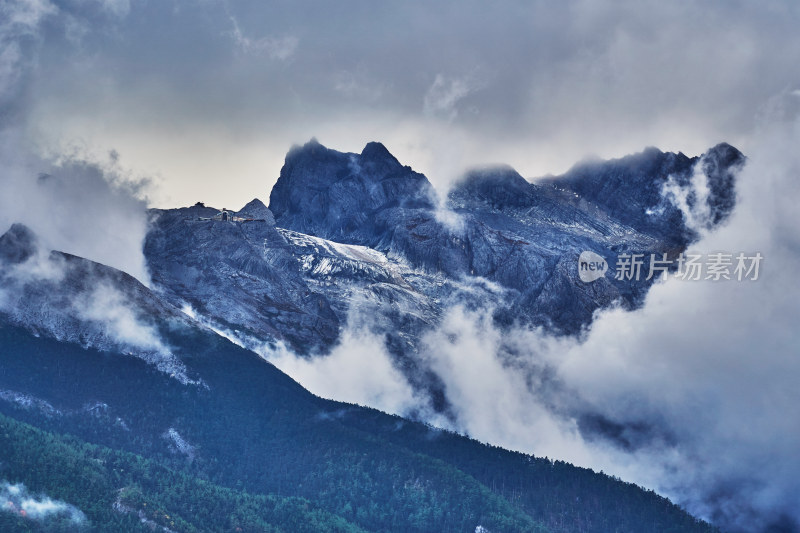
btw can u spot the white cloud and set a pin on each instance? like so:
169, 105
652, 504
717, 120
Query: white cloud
494, 399
118, 8
564, 80
567, 79
711, 367
15, 499
20, 20
357, 84
279, 48
357, 370
107, 306
445, 93
94, 313
697, 213
92, 210
24, 16
714, 363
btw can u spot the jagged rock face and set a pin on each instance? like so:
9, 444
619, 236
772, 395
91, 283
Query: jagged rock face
239, 274
632, 189
214, 409
340, 196
720, 165
257, 210
497, 187
401, 265
17, 245
525, 236
627, 188
528, 237
263, 283
360, 240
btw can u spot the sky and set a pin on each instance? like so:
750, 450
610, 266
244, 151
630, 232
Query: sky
205, 97
110, 106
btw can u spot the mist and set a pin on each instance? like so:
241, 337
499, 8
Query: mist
78, 207
75, 201
15, 498
357, 370
692, 395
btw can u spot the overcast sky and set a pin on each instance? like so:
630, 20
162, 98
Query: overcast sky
206, 96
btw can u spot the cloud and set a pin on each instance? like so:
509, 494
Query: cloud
107, 306
83, 303
76, 203
536, 85
699, 385
117, 8
691, 200
497, 398
280, 48
362, 367
445, 93
93, 210
15, 499
712, 364
357, 84
707, 362
357, 370
20, 23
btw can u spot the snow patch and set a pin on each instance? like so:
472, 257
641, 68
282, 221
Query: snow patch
28, 402
180, 444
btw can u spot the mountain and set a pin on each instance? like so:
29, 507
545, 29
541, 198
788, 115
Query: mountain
218, 439
340, 196
361, 241
78, 301
497, 226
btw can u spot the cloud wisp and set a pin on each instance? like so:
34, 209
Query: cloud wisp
280, 48
82, 302
76, 203
92, 210
445, 93
16, 499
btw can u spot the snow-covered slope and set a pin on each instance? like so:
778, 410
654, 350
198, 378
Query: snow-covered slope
75, 300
